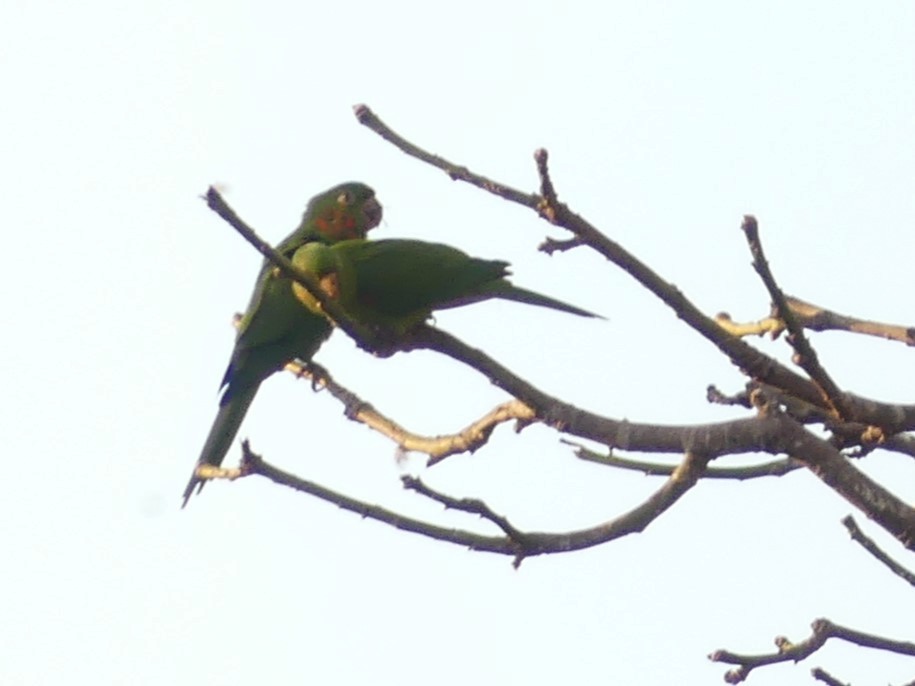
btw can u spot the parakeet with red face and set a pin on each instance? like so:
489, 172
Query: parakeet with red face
275, 328
397, 284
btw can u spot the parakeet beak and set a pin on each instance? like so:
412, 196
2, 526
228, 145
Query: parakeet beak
371, 211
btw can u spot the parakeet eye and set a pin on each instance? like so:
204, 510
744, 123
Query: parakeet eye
345, 198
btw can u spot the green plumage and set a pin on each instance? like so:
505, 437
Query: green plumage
397, 284
275, 329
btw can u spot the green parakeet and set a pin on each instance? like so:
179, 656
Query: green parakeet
397, 283
275, 329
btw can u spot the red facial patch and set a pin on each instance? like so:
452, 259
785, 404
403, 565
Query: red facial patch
323, 225
338, 225
345, 224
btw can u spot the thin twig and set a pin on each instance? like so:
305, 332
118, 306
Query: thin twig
370, 120
773, 468
805, 355
551, 245
548, 202
471, 506
868, 544
821, 674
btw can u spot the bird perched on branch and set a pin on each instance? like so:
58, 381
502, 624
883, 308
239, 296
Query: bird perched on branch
397, 284
275, 328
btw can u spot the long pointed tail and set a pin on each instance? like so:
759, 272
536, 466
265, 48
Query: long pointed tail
225, 427
508, 291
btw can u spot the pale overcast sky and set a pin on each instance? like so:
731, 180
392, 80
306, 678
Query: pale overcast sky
665, 123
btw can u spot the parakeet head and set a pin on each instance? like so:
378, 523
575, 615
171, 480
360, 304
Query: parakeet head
347, 211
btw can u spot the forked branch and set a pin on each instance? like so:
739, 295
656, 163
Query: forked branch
788, 651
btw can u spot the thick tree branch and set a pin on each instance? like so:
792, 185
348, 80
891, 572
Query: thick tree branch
892, 418
844, 434
835, 470
900, 443
772, 432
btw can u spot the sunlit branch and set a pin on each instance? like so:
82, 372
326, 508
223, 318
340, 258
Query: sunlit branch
467, 440
817, 318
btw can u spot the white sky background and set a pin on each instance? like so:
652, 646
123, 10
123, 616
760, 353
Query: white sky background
664, 126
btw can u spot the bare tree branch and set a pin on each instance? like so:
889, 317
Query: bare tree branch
823, 630
472, 506
367, 118
784, 402
708, 440
805, 355
871, 547
845, 434
551, 245
518, 544
469, 439
893, 418
816, 318
772, 432
821, 674
773, 468
900, 443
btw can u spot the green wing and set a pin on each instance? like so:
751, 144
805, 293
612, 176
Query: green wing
407, 278
399, 283
275, 329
